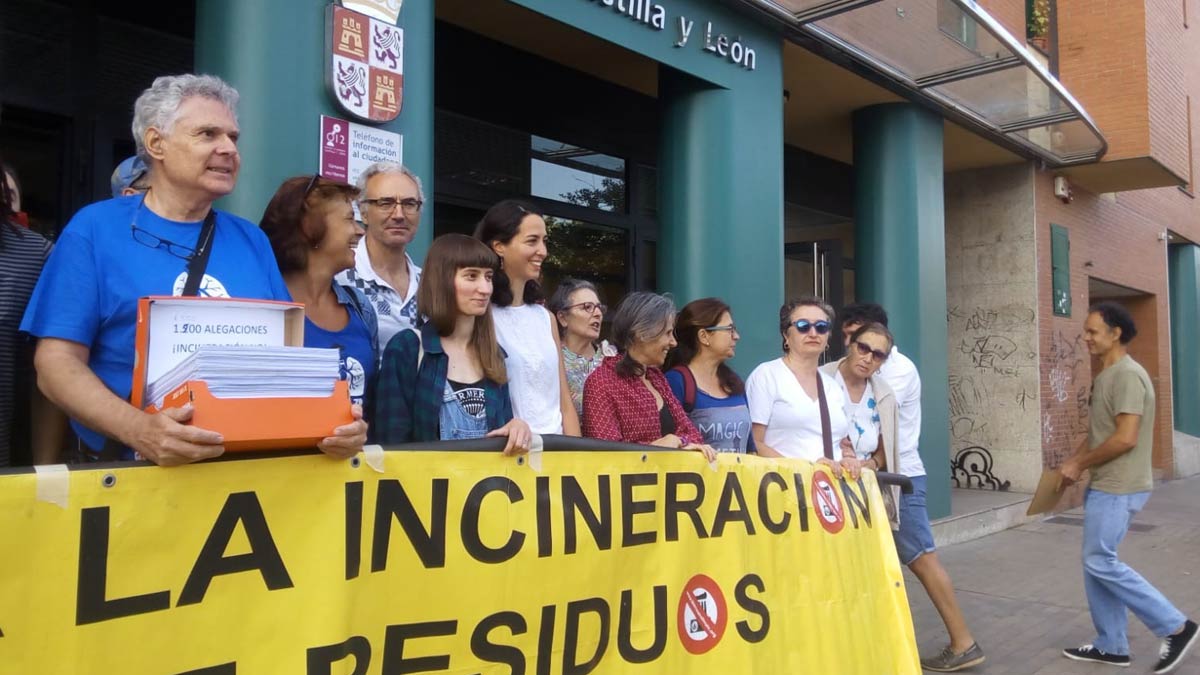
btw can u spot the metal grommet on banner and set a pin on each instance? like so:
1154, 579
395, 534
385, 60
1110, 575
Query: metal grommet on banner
109, 480
643, 456
355, 462
374, 456
53, 484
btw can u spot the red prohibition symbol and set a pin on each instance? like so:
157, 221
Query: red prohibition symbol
827, 503
702, 615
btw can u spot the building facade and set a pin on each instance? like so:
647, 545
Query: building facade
917, 154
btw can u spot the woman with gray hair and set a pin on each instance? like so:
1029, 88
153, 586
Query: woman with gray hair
168, 241
627, 398
577, 308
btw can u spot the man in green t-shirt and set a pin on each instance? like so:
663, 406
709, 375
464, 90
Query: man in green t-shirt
1117, 452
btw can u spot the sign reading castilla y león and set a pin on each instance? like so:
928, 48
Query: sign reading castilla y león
709, 36
573, 564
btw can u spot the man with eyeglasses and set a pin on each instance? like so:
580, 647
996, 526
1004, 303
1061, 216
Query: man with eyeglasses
113, 252
390, 200
914, 538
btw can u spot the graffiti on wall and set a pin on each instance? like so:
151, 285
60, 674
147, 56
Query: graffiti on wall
988, 387
972, 467
1068, 377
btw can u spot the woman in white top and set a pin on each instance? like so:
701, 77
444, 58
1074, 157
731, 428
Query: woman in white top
783, 394
537, 380
871, 409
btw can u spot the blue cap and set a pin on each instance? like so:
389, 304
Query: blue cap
127, 173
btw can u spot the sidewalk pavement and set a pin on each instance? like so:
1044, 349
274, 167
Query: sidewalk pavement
1021, 590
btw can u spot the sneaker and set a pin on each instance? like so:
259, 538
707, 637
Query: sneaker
948, 662
1175, 647
1090, 653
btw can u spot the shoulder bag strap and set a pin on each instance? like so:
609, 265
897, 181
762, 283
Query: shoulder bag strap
199, 260
111, 450
826, 432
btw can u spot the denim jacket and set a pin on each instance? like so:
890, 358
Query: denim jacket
356, 302
408, 400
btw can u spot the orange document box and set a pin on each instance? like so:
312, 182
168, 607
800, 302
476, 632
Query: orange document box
170, 328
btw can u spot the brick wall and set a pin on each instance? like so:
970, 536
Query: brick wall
1103, 62
1167, 90
1010, 13
1114, 238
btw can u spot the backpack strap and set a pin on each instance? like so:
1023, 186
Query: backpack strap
689, 387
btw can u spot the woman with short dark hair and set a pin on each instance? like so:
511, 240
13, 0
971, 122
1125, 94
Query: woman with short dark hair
310, 224
627, 398
796, 410
448, 380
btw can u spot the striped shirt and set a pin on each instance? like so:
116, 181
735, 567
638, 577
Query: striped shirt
22, 255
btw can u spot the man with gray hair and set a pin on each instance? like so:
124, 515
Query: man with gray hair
84, 308
390, 199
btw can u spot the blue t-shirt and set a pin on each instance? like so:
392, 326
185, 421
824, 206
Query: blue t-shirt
357, 354
89, 289
724, 422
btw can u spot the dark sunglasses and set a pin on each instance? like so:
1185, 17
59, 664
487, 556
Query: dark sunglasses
804, 325
865, 350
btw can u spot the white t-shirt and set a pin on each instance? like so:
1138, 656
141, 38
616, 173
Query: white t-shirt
901, 374
395, 312
532, 364
863, 418
793, 420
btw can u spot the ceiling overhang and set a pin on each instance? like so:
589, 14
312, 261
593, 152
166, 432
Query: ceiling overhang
957, 57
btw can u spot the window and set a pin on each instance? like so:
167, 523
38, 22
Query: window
1060, 265
954, 22
569, 173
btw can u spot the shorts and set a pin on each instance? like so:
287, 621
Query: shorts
915, 536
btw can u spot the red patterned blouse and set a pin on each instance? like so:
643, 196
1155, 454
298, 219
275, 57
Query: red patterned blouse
617, 408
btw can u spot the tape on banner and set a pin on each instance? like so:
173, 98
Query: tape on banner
373, 454
53, 484
535, 453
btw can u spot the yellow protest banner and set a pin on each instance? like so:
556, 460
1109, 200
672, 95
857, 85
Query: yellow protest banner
578, 563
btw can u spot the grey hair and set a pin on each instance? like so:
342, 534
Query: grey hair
158, 106
562, 297
641, 316
387, 167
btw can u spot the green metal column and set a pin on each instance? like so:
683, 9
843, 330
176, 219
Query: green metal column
1183, 269
721, 204
273, 52
900, 258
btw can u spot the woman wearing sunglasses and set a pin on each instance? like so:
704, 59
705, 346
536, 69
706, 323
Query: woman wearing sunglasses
870, 404
713, 396
577, 309
794, 408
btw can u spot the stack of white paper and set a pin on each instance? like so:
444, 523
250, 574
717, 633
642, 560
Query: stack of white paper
254, 372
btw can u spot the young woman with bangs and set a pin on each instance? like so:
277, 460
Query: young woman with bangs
447, 380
